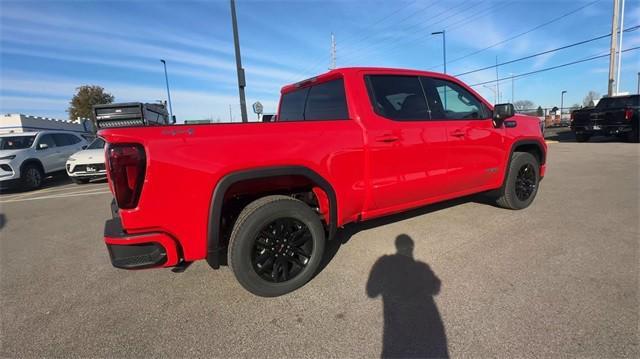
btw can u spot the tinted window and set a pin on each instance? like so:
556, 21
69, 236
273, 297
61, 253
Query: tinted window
397, 97
73, 139
48, 139
448, 100
16, 142
292, 106
619, 102
96, 144
61, 139
327, 101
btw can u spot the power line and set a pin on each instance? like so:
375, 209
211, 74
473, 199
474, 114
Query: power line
545, 52
387, 16
551, 68
520, 34
394, 40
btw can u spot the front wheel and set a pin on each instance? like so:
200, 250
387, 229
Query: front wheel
276, 245
521, 184
32, 177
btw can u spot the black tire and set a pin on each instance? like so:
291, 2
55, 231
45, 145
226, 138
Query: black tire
31, 176
79, 180
291, 220
582, 137
521, 185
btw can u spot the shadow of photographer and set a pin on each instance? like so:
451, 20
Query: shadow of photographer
412, 324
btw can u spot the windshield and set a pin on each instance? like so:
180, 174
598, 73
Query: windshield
96, 144
16, 142
618, 102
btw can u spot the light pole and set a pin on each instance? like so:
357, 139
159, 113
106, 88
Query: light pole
166, 79
512, 86
562, 102
444, 48
495, 93
241, 79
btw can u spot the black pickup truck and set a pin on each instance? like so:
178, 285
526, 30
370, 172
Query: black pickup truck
612, 116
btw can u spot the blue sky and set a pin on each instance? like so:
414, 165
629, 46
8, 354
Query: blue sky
47, 48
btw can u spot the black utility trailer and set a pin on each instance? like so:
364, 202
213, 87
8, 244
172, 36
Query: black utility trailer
131, 114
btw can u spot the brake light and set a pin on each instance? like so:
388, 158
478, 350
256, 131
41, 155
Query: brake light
126, 164
628, 114
572, 116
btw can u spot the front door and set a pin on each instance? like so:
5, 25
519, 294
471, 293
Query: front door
475, 145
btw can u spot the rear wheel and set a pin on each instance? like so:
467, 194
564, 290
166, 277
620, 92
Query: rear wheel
521, 184
582, 137
276, 245
32, 176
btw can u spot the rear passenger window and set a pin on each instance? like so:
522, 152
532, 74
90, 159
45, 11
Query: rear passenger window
398, 98
73, 139
325, 101
61, 139
292, 106
47, 139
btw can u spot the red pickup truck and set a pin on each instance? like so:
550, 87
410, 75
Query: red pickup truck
348, 145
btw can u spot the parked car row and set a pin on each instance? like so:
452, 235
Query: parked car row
27, 158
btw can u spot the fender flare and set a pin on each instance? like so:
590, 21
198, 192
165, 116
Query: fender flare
520, 143
215, 208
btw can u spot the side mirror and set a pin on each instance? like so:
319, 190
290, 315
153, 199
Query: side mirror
43, 146
502, 112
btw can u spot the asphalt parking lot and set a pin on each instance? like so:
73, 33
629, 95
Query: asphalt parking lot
557, 279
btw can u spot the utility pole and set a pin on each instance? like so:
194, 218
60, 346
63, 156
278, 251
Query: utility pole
241, 79
620, 47
497, 81
166, 79
638, 83
333, 52
614, 44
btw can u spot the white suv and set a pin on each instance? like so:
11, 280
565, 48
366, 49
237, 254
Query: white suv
26, 158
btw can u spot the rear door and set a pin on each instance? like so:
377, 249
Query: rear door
66, 145
408, 151
475, 145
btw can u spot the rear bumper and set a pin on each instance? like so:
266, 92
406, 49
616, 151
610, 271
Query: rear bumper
138, 251
616, 129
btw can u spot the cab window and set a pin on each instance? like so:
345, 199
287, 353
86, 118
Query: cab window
324, 101
398, 98
450, 101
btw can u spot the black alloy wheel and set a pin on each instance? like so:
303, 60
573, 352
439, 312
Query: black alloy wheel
282, 250
276, 245
525, 182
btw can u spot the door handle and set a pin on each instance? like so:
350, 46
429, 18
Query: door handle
387, 138
457, 133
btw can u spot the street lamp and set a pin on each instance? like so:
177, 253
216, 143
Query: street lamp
562, 102
166, 79
444, 48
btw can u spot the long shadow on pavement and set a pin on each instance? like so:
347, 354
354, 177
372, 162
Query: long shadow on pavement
413, 327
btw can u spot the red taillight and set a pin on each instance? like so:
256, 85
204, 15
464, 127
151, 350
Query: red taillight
572, 116
126, 164
628, 114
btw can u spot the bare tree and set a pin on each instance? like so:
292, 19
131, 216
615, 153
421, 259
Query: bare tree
590, 99
523, 105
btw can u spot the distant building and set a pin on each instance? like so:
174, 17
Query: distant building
17, 123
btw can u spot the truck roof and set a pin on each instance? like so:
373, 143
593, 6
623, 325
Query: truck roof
344, 70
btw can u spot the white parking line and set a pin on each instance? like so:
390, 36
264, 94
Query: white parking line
65, 195
71, 187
